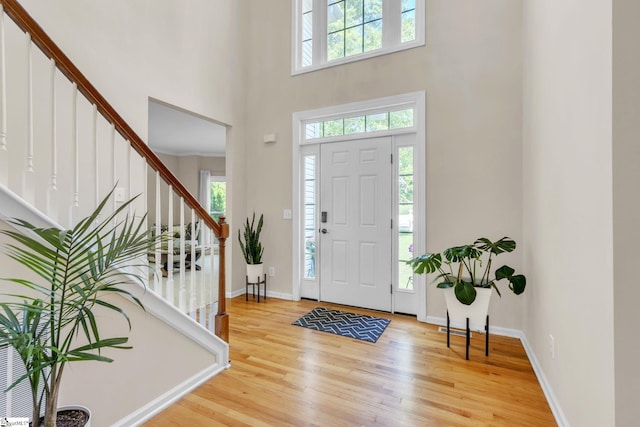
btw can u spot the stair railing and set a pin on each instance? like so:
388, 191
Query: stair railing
37, 137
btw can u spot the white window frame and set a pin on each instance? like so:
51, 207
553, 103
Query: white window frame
301, 147
359, 113
391, 35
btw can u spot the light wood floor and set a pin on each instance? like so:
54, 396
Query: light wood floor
284, 375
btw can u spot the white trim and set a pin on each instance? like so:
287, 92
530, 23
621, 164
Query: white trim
420, 203
416, 100
279, 295
204, 189
359, 135
270, 294
169, 314
306, 151
165, 400
236, 293
552, 400
369, 106
494, 330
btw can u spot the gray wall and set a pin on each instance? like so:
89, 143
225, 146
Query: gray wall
626, 207
471, 72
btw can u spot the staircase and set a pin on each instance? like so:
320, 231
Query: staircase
63, 147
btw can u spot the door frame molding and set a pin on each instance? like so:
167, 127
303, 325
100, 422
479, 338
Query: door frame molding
416, 100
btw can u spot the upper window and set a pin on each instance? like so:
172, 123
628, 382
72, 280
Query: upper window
332, 32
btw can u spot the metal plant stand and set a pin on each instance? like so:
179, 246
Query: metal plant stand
261, 281
468, 337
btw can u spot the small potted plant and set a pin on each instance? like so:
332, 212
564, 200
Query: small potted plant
464, 272
74, 270
252, 249
470, 274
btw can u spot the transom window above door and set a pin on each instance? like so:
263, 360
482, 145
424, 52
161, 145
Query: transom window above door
332, 32
379, 121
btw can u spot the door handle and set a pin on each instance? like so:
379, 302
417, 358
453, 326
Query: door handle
324, 231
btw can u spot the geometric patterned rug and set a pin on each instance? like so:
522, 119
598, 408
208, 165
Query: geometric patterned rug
359, 326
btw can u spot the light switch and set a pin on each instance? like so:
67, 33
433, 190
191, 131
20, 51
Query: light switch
287, 214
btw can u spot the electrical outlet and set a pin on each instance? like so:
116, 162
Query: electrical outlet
272, 271
119, 194
552, 346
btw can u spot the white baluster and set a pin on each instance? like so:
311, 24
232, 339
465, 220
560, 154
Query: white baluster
204, 244
170, 281
73, 209
29, 104
144, 267
114, 171
212, 282
96, 164
4, 156
182, 295
76, 149
192, 266
129, 175
28, 184
158, 255
52, 191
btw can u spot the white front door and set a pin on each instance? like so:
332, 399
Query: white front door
355, 223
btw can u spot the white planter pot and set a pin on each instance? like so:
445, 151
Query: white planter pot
255, 272
476, 312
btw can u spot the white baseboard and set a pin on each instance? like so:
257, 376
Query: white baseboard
165, 400
236, 293
558, 414
270, 294
280, 295
497, 330
561, 419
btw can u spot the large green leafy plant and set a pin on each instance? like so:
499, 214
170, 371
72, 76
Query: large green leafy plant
251, 247
54, 322
467, 267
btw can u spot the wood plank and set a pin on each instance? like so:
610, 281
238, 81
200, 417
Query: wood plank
286, 375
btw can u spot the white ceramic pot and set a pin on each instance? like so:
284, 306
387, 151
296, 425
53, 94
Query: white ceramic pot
255, 272
476, 312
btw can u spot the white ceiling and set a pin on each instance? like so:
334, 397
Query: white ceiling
179, 133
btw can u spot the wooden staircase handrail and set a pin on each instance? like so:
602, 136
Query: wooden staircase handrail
27, 24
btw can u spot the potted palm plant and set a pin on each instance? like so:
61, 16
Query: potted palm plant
464, 272
252, 249
54, 321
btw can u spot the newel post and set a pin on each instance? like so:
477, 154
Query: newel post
222, 318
